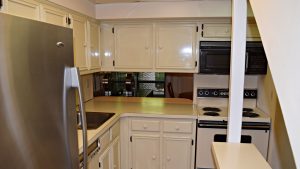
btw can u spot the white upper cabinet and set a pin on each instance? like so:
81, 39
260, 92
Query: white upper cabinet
23, 8
176, 47
80, 42
107, 47
94, 45
133, 47
224, 31
54, 16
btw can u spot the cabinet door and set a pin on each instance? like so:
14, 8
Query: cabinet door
94, 52
133, 47
104, 160
216, 30
107, 47
177, 153
93, 162
79, 35
116, 154
23, 8
176, 46
224, 31
145, 152
53, 16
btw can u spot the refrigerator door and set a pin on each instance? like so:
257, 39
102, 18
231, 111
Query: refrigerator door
37, 130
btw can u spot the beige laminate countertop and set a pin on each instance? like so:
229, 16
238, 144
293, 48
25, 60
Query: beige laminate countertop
238, 156
136, 107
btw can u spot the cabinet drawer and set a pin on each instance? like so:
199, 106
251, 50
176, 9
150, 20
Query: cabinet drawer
115, 130
178, 126
145, 125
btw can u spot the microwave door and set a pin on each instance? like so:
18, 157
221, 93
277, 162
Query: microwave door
215, 61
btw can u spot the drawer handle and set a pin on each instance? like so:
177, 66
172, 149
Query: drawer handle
145, 126
154, 157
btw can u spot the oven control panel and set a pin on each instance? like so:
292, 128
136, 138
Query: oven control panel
224, 93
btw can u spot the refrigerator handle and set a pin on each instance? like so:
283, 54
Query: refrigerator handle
75, 83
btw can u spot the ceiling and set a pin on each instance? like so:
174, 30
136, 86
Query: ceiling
131, 1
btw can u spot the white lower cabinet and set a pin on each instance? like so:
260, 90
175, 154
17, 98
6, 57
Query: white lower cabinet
93, 162
177, 152
158, 143
108, 155
116, 154
145, 150
104, 162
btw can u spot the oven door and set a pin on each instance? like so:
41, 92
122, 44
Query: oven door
206, 136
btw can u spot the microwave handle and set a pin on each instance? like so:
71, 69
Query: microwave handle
247, 61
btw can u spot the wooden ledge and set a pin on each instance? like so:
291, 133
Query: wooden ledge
238, 156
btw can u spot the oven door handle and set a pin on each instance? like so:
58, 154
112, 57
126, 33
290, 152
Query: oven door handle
244, 127
247, 62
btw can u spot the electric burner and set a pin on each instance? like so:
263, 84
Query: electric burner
250, 114
211, 113
247, 110
213, 109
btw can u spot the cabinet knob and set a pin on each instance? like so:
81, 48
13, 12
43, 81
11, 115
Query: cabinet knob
177, 128
168, 158
154, 157
115, 166
145, 126
147, 47
160, 47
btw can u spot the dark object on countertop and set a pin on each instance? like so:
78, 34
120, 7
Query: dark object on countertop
96, 119
170, 90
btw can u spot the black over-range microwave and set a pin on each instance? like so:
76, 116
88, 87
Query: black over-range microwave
215, 58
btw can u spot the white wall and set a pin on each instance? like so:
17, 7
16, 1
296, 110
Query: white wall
279, 25
183, 9
280, 155
83, 6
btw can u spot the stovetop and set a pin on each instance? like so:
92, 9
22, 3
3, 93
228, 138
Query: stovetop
221, 114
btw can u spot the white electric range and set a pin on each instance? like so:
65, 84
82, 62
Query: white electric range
212, 124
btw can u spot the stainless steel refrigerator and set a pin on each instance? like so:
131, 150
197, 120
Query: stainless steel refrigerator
38, 81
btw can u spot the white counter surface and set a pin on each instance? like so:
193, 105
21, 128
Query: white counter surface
136, 107
238, 156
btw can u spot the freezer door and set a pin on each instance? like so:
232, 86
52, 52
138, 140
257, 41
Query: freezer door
35, 131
